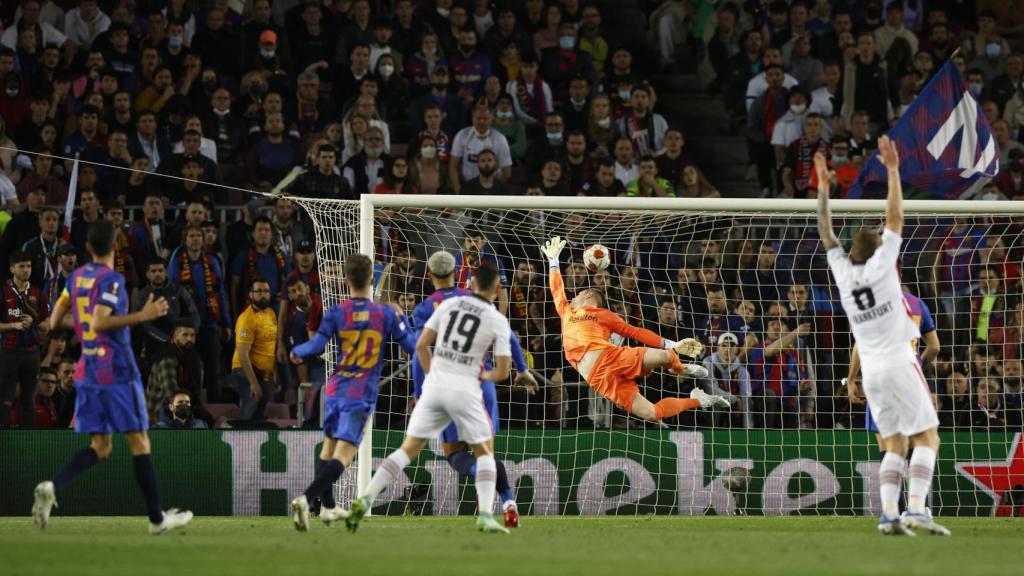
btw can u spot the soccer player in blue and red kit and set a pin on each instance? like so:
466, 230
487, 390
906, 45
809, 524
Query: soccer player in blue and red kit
441, 267
110, 395
362, 328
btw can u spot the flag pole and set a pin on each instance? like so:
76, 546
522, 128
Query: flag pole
69, 207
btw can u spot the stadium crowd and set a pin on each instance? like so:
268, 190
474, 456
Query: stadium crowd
176, 107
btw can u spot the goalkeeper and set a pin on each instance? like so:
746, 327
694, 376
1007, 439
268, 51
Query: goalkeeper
612, 370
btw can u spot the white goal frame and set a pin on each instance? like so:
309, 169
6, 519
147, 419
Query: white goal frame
368, 203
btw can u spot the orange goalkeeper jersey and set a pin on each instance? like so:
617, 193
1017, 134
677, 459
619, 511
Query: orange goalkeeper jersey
586, 328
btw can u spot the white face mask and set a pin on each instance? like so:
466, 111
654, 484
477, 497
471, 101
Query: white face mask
605, 122
428, 152
798, 108
386, 70
444, 12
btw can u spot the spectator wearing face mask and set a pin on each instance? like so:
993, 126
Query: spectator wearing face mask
179, 414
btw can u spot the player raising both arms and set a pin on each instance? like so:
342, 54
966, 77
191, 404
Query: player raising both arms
362, 327
441, 267
901, 405
110, 394
451, 349
612, 370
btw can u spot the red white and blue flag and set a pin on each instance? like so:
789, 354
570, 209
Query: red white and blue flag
945, 144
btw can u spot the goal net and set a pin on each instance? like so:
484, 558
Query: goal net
750, 280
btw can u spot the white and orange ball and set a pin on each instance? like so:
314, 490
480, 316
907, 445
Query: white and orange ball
597, 257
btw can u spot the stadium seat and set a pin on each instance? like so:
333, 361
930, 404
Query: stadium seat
284, 422
219, 411
277, 411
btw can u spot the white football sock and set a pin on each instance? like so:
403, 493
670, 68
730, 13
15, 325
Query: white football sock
890, 475
486, 478
922, 466
389, 469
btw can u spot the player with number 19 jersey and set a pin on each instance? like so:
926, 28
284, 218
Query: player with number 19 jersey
107, 361
362, 328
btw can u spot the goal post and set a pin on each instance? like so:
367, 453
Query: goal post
783, 449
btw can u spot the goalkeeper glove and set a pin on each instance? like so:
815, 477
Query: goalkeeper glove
552, 248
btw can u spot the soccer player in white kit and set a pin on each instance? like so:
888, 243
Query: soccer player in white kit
871, 294
452, 349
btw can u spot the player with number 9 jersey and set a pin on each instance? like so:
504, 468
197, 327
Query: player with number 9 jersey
107, 363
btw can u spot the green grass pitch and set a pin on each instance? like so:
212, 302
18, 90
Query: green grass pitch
741, 546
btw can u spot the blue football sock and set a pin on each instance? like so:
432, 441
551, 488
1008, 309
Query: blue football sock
79, 463
463, 463
504, 490
145, 475
324, 483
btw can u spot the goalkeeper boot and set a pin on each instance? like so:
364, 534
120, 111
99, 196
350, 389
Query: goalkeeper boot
511, 515
709, 400
694, 371
173, 519
360, 508
893, 527
924, 521
331, 515
45, 501
487, 523
300, 513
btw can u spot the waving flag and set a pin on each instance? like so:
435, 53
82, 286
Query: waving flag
945, 143
69, 207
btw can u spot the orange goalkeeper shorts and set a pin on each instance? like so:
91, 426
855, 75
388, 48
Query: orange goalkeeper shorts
615, 372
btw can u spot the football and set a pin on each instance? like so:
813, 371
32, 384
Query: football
597, 257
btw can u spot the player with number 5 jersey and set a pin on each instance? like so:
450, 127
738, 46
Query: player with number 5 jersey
362, 328
110, 395
901, 404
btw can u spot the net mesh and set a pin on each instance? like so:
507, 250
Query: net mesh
793, 440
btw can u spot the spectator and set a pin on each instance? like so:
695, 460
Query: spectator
201, 274
577, 167
604, 182
305, 268
292, 329
147, 141
600, 130
956, 409
759, 83
262, 261
672, 159
988, 305
346, 85
827, 100
626, 170
591, 40
648, 184
469, 67
781, 376
474, 254
252, 364
1011, 181
273, 156
551, 183
575, 110
434, 127
45, 407
718, 321
642, 126
765, 112
124, 263
511, 128
64, 395
861, 80
559, 65
19, 346
178, 414
988, 409
44, 175
148, 236
43, 248
693, 184
486, 182
1001, 131
314, 112
467, 145
894, 29
797, 167
532, 95
421, 66
548, 35
67, 261
396, 178
763, 283
323, 180
955, 267
156, 333
552, 147
728, 377
365, 170
428, 172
